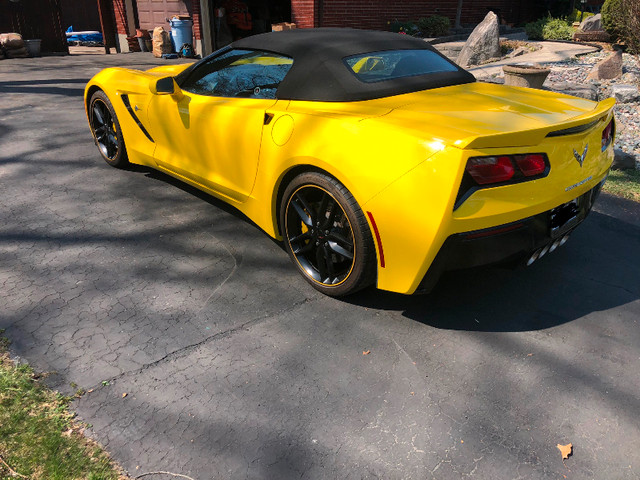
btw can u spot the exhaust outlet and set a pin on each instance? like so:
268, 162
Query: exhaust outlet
541, 252
544, 251
533, 257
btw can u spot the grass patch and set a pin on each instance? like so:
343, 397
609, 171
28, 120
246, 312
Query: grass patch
38, 438
624, 183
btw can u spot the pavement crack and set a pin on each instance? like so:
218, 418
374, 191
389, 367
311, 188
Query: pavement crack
180, 352
613, 285
236, 263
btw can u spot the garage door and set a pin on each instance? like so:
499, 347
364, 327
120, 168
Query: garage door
153, 13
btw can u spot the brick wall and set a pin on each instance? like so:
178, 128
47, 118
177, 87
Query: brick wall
375, 14
197, 19
303, 13
121, 16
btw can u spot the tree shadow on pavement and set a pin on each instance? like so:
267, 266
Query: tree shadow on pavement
34, 88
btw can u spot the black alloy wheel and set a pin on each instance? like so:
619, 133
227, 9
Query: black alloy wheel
327, 235
106, 130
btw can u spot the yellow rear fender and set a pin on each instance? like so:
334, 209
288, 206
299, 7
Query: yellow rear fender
419, 202
365, 156
263, 205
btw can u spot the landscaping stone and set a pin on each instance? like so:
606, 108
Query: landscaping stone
517, 52
630, 77
483, 43
623, 160
610, 67
583, 90
625, 93
593, 36
592, 24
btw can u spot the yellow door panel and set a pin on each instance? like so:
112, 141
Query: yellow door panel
215, 141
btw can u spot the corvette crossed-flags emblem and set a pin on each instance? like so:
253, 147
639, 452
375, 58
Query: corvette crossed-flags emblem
580, 158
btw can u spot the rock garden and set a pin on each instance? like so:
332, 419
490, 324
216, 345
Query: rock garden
595, 70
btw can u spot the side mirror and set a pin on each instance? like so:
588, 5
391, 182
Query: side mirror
164, 86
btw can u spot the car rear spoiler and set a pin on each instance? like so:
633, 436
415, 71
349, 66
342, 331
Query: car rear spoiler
534, 136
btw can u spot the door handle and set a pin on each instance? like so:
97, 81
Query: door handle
267, 118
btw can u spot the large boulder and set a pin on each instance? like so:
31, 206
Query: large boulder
592, 24
610, 67
623, 160
625, 93
584, 90
483, 44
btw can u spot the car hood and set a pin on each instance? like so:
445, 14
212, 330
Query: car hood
171, 70
481, 115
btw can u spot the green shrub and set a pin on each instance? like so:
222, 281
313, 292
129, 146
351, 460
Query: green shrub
631, 9
534, 29
577, 14
613, 19
556, 29
434, 26
549, 29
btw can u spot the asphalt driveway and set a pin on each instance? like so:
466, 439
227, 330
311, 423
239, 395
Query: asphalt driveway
127, 281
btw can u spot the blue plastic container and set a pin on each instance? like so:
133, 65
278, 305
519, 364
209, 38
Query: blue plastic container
181, 33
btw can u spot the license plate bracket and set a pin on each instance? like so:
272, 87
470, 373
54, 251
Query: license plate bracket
565, 217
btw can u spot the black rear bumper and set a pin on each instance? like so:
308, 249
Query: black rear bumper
511, 242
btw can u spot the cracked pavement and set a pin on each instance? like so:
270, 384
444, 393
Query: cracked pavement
235, 368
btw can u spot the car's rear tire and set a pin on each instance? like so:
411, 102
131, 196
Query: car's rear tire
106, 130
327, 235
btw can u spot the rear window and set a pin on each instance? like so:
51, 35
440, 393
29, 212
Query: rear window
391, 64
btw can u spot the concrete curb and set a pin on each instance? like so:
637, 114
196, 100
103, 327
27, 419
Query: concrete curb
547, 54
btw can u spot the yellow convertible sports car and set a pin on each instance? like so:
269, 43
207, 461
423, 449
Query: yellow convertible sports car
373, 157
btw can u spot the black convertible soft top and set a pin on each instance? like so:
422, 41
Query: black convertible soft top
320, 74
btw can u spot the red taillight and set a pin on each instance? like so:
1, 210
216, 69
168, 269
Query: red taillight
607, 135
490, 169
505, 168
531, 165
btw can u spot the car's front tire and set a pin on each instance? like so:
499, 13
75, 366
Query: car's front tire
106, 130
327, 235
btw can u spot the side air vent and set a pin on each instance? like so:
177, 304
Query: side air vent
127, 103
